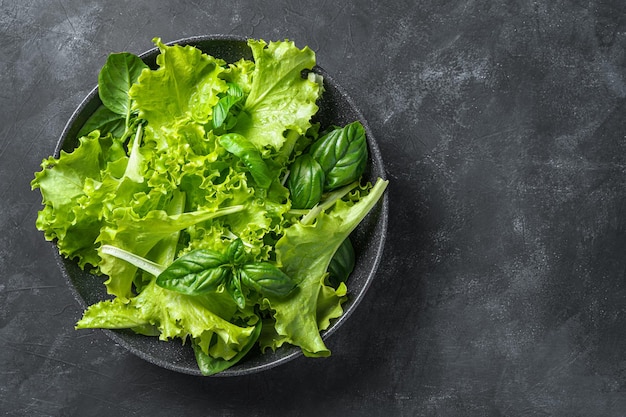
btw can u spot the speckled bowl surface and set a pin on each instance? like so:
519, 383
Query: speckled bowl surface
368, 239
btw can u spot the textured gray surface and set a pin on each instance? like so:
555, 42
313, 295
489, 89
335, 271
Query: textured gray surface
502, 291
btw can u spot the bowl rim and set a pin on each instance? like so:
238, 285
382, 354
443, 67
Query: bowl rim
291, 351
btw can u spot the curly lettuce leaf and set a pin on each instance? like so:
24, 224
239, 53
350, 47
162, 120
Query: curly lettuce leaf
263, 210
139, 235
175, 316
280, 99
213, 364
241, 74
184, 88
71, 187
304, 252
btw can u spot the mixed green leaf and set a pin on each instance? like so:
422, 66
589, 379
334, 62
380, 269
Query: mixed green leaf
214, 207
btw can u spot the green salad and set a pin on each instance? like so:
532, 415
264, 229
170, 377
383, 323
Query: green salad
216, 211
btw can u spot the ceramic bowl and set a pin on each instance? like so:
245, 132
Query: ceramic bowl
336, 108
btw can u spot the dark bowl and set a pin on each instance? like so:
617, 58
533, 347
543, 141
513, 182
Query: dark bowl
336, 108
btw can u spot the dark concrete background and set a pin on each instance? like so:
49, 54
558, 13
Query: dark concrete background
502, 291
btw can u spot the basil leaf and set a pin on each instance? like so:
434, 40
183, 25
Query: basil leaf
210, 366
242, 148
116, 77
234, 90
266, 279
104, 120
194, 273
236, 252
342, 153
305, 182
233, 287
222, 109
233, 96
342, 264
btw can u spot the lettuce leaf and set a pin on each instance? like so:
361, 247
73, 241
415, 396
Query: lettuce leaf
139, 236
175, 316
74, 204
280, 99
304, 252
185, 87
